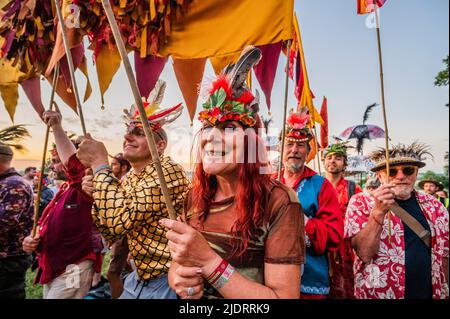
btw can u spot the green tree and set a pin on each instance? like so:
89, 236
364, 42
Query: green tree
442, 78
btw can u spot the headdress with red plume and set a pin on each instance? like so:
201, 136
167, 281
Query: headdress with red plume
297, 127
156, 117
230, 99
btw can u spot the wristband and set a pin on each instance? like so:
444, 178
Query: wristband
101, 168
221, 275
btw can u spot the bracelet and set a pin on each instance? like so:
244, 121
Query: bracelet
221, 275
101, 168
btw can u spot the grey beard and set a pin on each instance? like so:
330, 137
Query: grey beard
403, 193
294, 168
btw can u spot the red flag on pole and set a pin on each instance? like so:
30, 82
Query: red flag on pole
368, 6
324, 128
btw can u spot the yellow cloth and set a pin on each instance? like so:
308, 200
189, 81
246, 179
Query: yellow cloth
218, 27
10, 76
306, 96
134, 209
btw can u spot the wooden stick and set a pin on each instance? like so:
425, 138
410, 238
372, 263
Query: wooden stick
44, 155
138, 99
383, 104
71, 65
283, 130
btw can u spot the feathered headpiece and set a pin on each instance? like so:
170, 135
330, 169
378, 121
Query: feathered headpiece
414, 154
230, 99
297, 127
156, 117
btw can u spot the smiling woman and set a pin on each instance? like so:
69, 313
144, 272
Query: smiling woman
253, 223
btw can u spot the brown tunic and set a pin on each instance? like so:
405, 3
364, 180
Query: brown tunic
280, 240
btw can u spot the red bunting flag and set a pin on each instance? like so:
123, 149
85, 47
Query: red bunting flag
368, 6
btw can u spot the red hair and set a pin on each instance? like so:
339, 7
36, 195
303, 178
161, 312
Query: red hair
250, 197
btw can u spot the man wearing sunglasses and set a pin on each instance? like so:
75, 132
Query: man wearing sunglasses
400, 236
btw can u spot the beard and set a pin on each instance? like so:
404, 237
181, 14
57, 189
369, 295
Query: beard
403, 192
294, 168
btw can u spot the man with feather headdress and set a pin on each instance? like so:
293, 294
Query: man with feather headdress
400, 236
324, 225
134, 206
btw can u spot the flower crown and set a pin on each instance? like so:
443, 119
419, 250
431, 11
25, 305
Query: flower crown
221, 106
297, 129
230, 99
156, 117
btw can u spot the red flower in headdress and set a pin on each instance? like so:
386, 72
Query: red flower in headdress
298, 121
222, 82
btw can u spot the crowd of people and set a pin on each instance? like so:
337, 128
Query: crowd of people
242, 231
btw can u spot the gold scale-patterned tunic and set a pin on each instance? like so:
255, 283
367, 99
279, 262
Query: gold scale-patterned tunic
134, 207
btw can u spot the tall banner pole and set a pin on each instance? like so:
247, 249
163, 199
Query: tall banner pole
286, 95
44, 156
383, 103
58, 5
139, 103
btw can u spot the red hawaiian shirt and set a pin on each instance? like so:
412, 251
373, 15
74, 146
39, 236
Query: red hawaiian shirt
384, 276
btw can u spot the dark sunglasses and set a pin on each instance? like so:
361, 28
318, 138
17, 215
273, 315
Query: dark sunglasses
135, 130
407, 170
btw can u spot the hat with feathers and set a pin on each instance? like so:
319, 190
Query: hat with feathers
156, 116
298, 126
414, 154
230, 99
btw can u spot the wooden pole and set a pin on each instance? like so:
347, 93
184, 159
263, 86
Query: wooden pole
383, 104
44, 155
71, 65
283, 130
138, 100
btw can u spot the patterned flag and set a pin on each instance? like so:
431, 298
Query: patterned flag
368, 6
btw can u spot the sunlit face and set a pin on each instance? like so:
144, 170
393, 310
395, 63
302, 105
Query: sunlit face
135, 146
56, 165
222, 148
404, 180
430, 188
31, 174
334, 163
295, 155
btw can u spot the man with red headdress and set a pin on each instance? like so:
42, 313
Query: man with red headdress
324, 225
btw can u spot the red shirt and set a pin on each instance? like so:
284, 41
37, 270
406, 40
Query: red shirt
66, 228
341, 263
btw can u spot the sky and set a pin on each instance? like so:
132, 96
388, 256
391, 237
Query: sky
342, 61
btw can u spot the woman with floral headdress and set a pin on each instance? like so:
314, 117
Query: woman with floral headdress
243, 235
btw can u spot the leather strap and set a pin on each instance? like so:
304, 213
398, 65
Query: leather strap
412, 223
